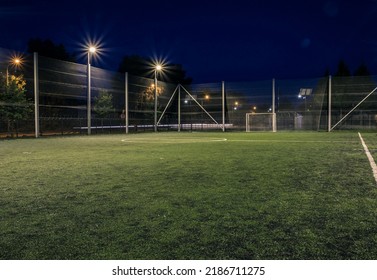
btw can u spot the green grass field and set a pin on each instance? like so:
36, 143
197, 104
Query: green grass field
189, 196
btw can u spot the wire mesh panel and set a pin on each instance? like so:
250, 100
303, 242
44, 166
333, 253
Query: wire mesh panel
141, 102
167, 103
305, 104
201, 106
301, 104
142, 92
247, 97
63, 97
62, 101
107, 117
351, 107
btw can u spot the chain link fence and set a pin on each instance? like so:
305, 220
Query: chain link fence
57, 101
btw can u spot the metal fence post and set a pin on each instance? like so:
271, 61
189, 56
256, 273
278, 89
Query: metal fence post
179, 108
126, 102
36, 95
329, 106
273, 107
223, 103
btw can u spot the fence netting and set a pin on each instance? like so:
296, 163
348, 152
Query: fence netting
317, 104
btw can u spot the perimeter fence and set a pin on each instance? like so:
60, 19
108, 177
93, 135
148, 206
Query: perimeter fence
57, 101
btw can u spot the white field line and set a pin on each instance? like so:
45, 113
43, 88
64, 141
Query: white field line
370, 158
201, 140
164, 140
290, 141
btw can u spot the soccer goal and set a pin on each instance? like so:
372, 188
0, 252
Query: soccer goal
261, 122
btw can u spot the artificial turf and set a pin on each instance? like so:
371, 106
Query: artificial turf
291, 195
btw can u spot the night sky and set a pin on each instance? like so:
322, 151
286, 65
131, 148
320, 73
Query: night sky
228, 40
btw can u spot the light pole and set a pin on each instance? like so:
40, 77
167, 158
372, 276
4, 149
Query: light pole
157, 68
15, 62
91, 51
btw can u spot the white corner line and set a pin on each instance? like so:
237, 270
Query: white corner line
370, 158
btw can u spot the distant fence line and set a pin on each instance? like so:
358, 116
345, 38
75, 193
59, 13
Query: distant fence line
58, 91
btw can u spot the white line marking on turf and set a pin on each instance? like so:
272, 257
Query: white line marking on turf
370, 158
172, 140
290, 141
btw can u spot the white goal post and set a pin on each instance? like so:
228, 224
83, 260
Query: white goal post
261, 122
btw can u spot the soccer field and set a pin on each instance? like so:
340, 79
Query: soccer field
291, 195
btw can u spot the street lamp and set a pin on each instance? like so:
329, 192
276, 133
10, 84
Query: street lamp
158, 67
91, 52
14, 62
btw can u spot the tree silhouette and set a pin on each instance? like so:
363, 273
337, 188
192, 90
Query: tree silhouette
362, 70
49, 49
343, 70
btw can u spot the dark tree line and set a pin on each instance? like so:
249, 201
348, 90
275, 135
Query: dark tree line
50, 49
349, 88
344, 71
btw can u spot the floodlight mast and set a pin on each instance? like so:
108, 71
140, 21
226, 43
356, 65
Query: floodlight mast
158, 67
91, 51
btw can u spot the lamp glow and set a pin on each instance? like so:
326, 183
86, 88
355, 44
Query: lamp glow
15, 62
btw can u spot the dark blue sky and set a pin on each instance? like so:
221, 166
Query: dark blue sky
229, 40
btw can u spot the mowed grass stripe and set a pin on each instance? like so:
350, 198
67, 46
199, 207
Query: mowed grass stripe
100, 198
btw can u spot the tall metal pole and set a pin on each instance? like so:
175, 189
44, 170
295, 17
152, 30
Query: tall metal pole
329, 107
36, 95
155, 100
89, 107
223, 103
126, 101
179, 108
273, 107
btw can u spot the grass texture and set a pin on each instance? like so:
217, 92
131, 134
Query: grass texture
274, 196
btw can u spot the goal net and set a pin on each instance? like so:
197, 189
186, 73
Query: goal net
261, 122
